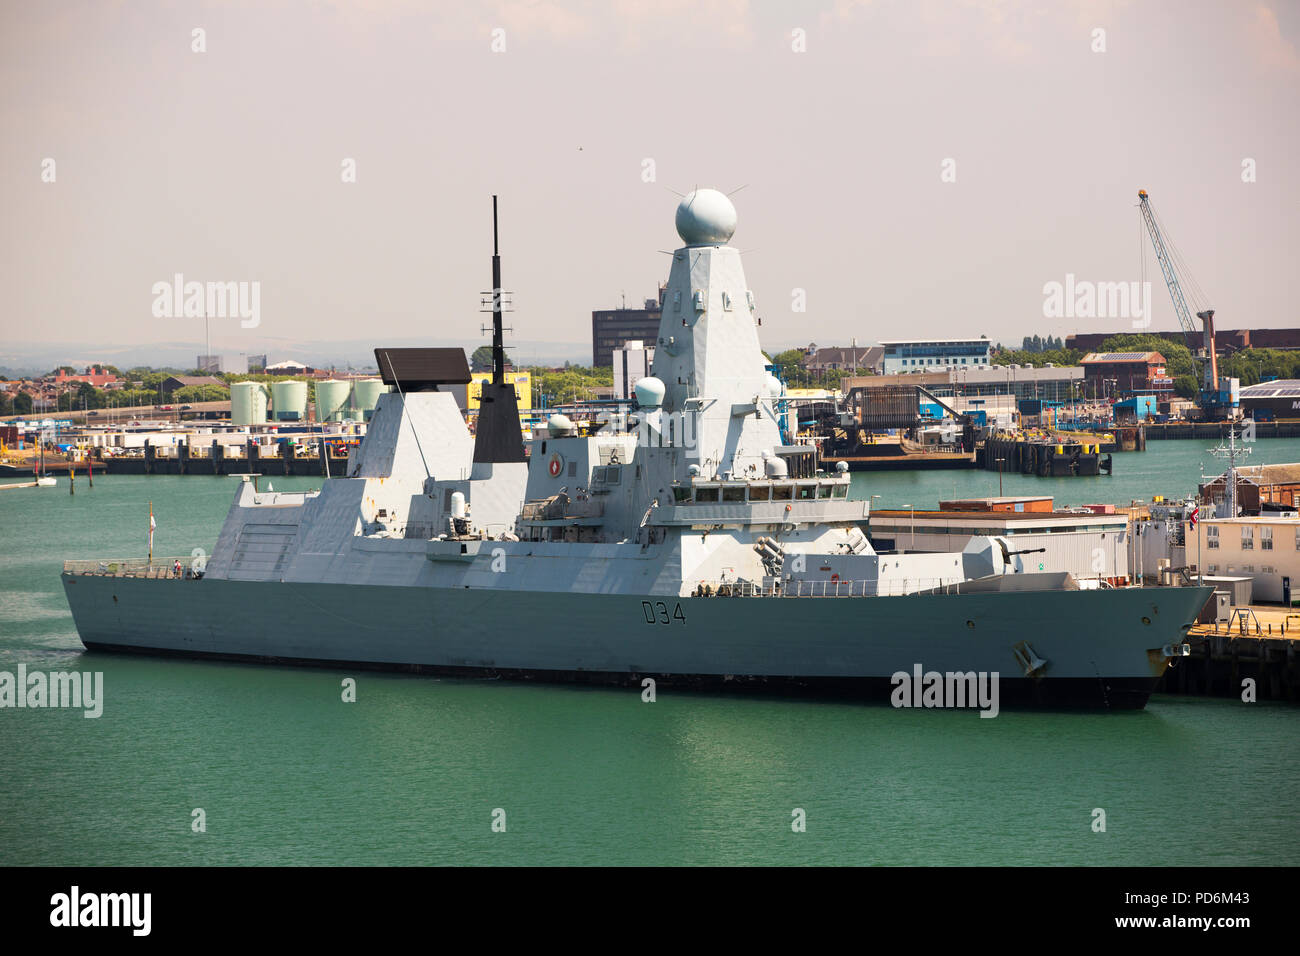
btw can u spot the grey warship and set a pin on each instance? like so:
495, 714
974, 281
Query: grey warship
683, 542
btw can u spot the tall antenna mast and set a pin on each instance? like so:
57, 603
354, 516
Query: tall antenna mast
498, 345
1231, 453
497, 437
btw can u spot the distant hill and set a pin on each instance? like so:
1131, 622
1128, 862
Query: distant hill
25, 361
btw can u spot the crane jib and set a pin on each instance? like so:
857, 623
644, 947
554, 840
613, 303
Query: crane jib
1209, 393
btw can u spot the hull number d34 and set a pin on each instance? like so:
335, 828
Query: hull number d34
656, 612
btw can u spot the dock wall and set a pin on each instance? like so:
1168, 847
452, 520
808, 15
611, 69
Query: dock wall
1220, 662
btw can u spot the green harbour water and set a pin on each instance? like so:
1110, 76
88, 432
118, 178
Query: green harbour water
287, 773
1169, 468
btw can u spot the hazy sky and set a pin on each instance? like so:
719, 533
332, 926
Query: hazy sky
226, 165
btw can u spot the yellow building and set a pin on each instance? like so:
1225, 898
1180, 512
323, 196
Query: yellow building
522, 381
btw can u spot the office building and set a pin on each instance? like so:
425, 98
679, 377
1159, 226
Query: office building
612, 328
928, 355
631, 362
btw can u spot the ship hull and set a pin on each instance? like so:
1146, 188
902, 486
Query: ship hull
1101, 648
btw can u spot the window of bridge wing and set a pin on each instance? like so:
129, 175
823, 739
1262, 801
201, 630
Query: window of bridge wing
824, 491
733, 492
782, 492
681, 494
706, 494
806, 492
841, 490
760, 492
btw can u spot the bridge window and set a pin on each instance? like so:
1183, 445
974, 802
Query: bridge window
841, 491
764, 492
681, 493
733, 493
706, 494
782, 492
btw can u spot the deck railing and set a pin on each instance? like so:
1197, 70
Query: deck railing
135, 567
871, 587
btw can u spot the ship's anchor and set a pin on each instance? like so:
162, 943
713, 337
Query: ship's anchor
1028, 659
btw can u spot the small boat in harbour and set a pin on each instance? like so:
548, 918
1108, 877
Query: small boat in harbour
44, 482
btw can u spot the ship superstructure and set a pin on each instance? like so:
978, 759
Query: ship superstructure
682, 541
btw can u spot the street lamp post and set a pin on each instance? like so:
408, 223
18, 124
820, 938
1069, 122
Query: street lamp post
999, 461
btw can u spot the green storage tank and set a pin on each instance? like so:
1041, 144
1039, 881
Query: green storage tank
333, 400
289, 401
365, 396
248, 403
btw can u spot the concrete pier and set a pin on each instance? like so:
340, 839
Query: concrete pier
1223, 657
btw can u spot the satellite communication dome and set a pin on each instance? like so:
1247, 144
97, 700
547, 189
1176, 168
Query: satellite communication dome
706, 218
773, 386
559, 425
649, 392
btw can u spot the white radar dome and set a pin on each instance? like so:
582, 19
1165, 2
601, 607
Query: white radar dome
773, 386
706, 218
559, 425
649, 392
